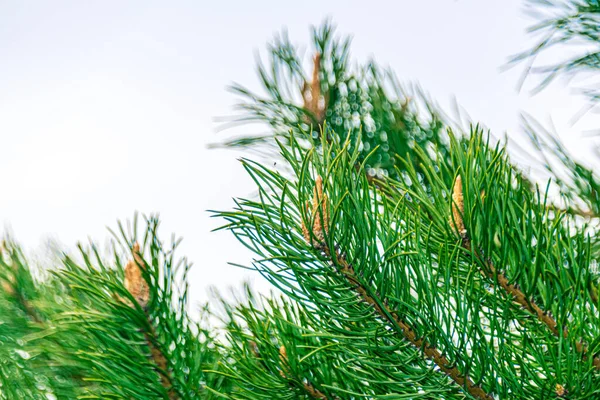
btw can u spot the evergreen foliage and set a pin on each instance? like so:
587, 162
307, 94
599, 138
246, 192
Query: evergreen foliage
91, 332
464, 282
411, 261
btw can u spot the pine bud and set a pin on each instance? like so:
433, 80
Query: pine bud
560, 390
456, 221
283, 355
134, 279
319, 216
284, 362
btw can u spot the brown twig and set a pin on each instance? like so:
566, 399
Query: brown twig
383, 311
409, 334
161, 363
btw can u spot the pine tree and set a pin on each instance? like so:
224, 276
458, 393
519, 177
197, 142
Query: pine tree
411, 260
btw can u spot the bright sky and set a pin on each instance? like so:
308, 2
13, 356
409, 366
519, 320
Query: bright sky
107, 107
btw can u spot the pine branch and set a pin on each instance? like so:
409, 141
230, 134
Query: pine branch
316, 237
498, 277
395, 244
409, 334
160, 361
136, 335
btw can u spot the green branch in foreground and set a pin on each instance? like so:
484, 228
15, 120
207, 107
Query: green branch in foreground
382, 266
500, 279
316, 237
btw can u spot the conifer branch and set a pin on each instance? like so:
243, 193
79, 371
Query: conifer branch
161, 362
490, 271
409, 334
383, 311
136, 285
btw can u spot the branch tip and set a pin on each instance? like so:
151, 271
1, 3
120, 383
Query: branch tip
314, 101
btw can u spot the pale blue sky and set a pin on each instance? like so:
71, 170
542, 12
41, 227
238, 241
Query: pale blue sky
106, 107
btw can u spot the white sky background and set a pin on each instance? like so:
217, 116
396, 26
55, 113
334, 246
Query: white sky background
107, 107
